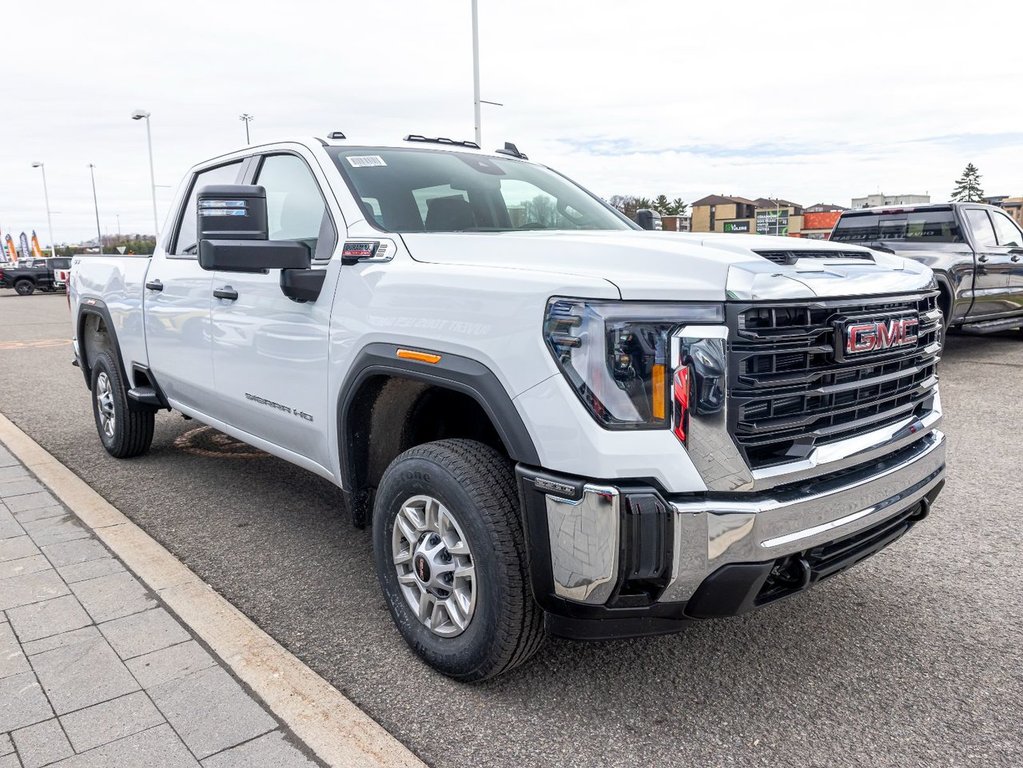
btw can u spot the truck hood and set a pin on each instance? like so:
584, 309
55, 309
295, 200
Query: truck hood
681, 266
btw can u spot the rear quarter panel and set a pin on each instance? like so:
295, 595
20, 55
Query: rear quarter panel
118, 283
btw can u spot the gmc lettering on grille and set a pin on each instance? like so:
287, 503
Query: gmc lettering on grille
875, 336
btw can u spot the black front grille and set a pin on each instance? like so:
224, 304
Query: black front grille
789, 391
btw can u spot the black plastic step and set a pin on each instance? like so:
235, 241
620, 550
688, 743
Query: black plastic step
145, 395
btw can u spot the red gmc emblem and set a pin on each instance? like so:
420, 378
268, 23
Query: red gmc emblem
861, 337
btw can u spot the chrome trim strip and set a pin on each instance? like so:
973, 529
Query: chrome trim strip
584, 540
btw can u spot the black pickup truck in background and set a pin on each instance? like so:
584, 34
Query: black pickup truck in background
975, 250
36, 275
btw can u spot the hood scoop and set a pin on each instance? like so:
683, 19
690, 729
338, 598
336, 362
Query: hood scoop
791, 257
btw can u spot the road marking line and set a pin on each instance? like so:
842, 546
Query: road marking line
333, 727
40, 344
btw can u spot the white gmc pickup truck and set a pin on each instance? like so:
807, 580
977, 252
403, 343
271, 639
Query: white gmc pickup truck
554, 421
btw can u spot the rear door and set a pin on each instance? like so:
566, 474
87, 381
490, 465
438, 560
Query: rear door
991, 268
177, 305
270, 352
1010, 237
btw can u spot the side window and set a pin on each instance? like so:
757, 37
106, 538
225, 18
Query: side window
185, 243
294, 205
981, 227
1006, 230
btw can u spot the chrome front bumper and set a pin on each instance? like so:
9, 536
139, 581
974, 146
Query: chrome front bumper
713, 530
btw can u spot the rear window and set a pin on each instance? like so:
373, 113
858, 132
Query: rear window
921, 226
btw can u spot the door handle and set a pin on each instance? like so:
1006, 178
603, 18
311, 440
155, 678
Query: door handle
982, 258
227, 292
1015, 257
154, 285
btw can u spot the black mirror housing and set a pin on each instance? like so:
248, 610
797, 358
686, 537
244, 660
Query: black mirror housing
253, 255
231, 212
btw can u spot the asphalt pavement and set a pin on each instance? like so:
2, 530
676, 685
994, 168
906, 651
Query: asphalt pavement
914, 657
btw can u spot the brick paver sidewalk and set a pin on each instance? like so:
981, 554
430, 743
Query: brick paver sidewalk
94, 671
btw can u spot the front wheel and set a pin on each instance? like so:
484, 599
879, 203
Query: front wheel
450, 556
125, 428
24, 287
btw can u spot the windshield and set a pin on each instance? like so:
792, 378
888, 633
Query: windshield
935, 225
418, 190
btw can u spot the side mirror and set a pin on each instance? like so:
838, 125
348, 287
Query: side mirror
232, 227
648, 219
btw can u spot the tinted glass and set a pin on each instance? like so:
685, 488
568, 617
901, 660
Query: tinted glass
925, 226
1006, 231
417, 190
222, 174
980, 226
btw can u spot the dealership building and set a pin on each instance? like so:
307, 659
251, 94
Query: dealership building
763, 216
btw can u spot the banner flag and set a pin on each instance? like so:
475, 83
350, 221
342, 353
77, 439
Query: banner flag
23, 246
12, 253
37, 252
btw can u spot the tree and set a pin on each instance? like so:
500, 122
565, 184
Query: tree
629, 204
968, 189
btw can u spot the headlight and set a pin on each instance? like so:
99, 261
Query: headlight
616, 355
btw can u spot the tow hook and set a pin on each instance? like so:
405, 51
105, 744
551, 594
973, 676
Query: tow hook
923, 510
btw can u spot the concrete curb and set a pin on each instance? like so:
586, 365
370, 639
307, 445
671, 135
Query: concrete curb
337, 731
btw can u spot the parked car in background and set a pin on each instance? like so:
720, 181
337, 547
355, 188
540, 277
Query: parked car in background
27, 277
976, 252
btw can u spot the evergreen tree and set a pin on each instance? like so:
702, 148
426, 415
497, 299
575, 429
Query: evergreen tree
968, 189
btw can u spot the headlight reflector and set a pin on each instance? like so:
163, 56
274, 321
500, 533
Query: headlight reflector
616, 355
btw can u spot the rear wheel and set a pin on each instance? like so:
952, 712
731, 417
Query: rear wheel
451, 559
125, 428
24, 287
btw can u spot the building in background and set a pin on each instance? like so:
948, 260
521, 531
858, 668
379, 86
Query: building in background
1014, 207
671, 223
709, 213
876, 201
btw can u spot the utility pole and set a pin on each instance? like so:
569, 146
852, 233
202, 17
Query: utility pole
95, 205
46, 196
476, 71
246, 118
141, 114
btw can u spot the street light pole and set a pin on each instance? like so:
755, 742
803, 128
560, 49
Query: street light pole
246, 118
476, 71
49, 218
95, 205
141, 114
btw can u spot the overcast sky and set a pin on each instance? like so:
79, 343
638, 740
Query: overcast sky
814, 102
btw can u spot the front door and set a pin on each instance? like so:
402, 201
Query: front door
991, 268
177, 306
270, 352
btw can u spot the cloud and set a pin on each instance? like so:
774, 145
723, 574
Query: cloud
644, 98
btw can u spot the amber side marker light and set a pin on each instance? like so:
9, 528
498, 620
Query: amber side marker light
423, 357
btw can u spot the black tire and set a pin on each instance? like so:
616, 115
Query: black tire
477, 485
24, 287
131, 432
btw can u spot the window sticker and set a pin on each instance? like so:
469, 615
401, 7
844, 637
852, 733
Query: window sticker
365, 161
